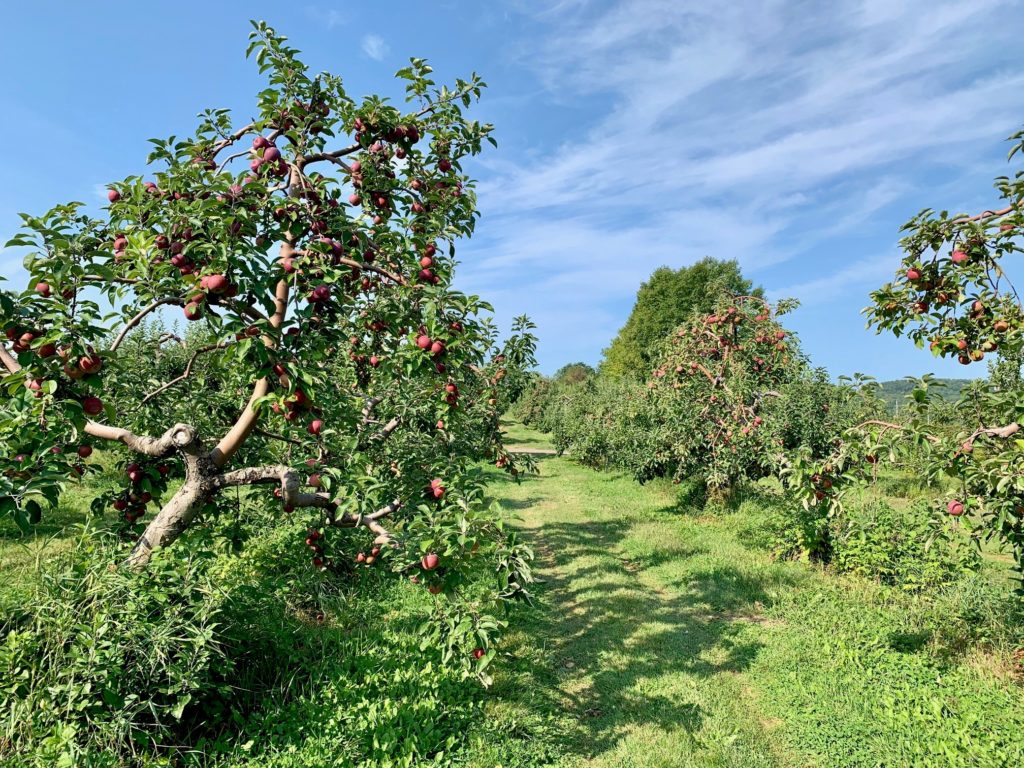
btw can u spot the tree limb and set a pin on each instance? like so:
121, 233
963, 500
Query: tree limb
183, 376
178, 436
139, 317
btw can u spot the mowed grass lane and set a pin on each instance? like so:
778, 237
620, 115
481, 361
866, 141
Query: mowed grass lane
670, 641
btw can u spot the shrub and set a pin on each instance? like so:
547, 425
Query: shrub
902, 548
104, 662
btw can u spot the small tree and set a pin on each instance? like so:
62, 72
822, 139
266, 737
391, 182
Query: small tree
717, 374
339, 367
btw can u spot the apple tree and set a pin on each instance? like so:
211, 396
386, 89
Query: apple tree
335, 367
716, 378
953, 293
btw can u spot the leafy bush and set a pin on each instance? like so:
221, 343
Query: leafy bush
104, 661
905, 548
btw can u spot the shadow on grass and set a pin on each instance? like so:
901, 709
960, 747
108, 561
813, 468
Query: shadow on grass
622, 643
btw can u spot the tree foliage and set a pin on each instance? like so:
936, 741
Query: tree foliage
337, 376
667, 299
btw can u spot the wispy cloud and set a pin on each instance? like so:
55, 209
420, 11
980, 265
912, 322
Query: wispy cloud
328, 17
755, 131
375, 47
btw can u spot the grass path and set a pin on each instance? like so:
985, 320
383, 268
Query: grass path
671, 642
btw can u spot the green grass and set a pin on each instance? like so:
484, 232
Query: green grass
675, 643
661, 636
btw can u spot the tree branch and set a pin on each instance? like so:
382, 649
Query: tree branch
1003, 432
185, 375
139, 317
10, 363
178, 436
293, 497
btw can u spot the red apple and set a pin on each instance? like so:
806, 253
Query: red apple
113, 195
93, 406
429, 561
90, 363
423, 341
955, 508
217, 283
315, 426
85, 451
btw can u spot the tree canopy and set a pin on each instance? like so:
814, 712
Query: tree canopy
665, 301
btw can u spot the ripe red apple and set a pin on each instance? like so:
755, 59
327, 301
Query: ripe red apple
193, 311
444, 165
113, 195
955, 508
913, 274
120, 505
216, 283
90, 363
437, 348
315, 426
959, 257
423, 341
318, 562
260, 142
314, 480
374, 361
47, 350
43, 289
354, 199
92, 406
85, 451
320, 294
429, 561
478, 653
271, 154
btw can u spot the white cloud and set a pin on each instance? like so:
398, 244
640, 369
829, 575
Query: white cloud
756, 131
375, 47
329, 17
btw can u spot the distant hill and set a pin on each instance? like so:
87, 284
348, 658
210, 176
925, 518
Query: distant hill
894, 393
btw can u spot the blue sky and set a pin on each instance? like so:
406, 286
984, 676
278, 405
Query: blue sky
795, 137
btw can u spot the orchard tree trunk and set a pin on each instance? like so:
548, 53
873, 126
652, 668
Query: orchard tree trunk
179, 512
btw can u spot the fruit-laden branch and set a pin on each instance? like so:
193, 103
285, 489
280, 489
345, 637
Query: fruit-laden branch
291, 496
139, 318
179, 436
355, 265
186, 374
335, 154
